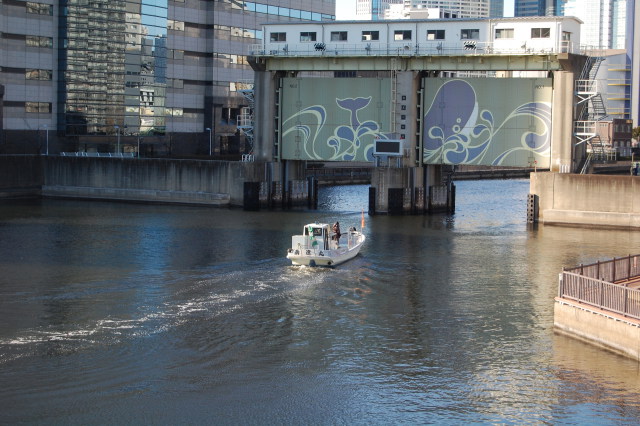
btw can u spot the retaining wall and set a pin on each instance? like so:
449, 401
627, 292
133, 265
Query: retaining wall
152, 180
610, 331
596, 200
21, 176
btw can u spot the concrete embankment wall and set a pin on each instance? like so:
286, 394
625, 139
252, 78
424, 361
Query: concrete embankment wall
596, 200
610, 331
21, 176
148, 180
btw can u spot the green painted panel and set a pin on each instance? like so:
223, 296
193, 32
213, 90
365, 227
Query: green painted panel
333, 119
488, 121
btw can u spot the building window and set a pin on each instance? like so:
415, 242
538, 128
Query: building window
470, 34
370, 35
540, 32
504, 33
307, 36
39, 8
435, 34
175, 25
279, 11
278, 37
400, 35
175, 112
338, 36
229, 115
39, 107
38, 74
36, 41
566, 36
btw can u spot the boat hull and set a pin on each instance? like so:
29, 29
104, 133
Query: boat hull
329, 258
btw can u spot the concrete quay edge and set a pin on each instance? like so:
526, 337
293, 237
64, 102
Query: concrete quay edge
590, 218
613, 332
141, 195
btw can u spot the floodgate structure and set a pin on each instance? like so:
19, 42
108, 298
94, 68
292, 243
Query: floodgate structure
415, 98
418, 98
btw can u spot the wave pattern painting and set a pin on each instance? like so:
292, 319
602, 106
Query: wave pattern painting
493, 122
334, 128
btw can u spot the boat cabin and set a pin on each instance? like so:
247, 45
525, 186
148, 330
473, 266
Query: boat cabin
318, 234
315, 236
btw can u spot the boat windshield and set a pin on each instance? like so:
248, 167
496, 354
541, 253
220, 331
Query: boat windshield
314, 231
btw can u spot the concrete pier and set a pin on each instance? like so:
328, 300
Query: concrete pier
606, 330
587, 200
600, 304
216, 183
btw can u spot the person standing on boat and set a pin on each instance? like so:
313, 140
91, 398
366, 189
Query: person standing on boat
336, 231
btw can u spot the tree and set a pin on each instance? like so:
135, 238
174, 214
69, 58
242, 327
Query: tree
635, 133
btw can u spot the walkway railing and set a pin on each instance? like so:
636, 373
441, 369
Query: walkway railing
429, 48
604, 285
99, 154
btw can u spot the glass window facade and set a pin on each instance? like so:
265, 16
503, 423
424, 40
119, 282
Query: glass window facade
280, 11
37, 41
114, 67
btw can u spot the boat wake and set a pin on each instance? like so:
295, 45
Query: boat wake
160, 305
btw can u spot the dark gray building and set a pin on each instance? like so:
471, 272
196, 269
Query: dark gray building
109, 75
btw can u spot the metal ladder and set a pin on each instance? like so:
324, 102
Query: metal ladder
394, 94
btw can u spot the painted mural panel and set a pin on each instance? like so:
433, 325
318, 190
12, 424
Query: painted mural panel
333, 119
488, 121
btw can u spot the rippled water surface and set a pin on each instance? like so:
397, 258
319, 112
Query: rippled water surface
127, 313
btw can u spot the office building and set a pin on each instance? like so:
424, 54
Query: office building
105, 75
461, 8
373, 10
539, 8
633, 53
607, 31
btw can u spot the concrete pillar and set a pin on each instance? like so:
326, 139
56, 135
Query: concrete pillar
265, 113
562, 140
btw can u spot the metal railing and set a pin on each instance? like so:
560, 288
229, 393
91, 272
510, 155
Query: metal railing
615, 270
602, 285
99, 154
434, 48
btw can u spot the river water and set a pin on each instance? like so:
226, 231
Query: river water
114, 313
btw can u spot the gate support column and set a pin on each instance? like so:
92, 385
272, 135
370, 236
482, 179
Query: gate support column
562, 141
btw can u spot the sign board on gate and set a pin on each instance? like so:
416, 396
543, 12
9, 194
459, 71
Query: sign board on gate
390, 147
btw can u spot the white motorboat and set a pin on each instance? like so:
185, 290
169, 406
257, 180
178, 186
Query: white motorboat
320, 246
